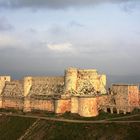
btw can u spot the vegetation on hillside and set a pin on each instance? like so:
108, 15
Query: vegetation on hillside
12, 128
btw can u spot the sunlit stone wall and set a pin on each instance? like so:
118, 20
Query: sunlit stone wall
87, 106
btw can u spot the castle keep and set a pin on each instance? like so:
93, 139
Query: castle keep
81, 91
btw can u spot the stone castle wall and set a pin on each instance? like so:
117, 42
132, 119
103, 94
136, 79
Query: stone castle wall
87, 106
36, 85
12, 95
70, 79
62, 105
133, 95
37, 89
126, 95
76, 80
78, 91
44, 105
13, 103
93, 78
74, 104
3, 80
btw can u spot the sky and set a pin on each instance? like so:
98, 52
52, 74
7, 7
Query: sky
44, 37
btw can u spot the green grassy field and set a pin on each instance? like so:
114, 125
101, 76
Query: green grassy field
11, 128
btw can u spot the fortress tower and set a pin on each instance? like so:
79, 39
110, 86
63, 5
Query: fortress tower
3, 80
78, 80
70, 79
27, 87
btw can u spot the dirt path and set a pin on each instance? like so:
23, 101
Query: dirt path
123, 117
29, 130
112, 120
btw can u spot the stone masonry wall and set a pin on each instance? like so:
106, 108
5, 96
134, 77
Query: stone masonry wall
76, 79
133, 95
45, 86
15, 103
45, 105
12, 95
3, 80
70, 79
87, 106
120, 94
62, 105
126, 95
74, 104
79, 91
98, 82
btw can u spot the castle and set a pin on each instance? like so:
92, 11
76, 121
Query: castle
81, 91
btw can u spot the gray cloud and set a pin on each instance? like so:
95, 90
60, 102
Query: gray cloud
76, 24
54, 3
130, 6
5, 25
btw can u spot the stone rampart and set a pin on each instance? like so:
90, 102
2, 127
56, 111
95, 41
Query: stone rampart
12, 95
62, 105
47, 80
44, 105
77, 79
79, 91
43, 85
74, 104
14, 103
3, 80
27, 85
87, 106
27, 104
70, 79
133, 95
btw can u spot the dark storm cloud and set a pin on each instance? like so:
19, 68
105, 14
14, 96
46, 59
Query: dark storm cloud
5, 25
54, 3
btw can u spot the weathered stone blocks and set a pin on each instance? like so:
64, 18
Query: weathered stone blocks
74, 104
87, 106
62, 105
3, 80
80, 91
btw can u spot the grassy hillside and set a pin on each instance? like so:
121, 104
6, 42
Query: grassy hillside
71, 131
12, 128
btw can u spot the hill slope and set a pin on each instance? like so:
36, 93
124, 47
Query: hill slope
12, 128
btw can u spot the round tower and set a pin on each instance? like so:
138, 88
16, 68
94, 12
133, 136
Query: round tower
87, 106
70, 79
